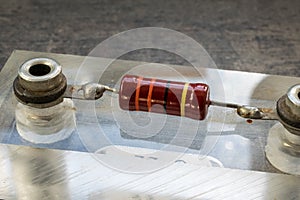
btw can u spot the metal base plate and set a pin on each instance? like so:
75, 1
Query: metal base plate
37, 172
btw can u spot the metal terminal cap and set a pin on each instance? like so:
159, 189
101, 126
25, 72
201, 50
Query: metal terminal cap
288, 109
294, 98
39, 69
40, 83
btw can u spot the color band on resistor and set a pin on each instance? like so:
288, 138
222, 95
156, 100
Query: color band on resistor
149, 98
183, 99
137, 94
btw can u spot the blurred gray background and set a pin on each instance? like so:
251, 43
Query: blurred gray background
257, 36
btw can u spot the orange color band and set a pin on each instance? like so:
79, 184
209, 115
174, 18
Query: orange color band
149, 98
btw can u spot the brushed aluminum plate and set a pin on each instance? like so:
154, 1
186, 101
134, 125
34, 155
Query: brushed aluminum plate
94, 164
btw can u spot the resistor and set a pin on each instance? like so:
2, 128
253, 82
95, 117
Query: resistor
190, 100
161, 96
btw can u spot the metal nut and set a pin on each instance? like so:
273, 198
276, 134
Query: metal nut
40, 83
288, 109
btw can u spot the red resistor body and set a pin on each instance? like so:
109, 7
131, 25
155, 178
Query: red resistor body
161, 96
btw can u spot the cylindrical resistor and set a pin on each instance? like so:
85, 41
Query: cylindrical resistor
161, 96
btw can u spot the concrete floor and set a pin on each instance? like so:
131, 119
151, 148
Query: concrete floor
256, 36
